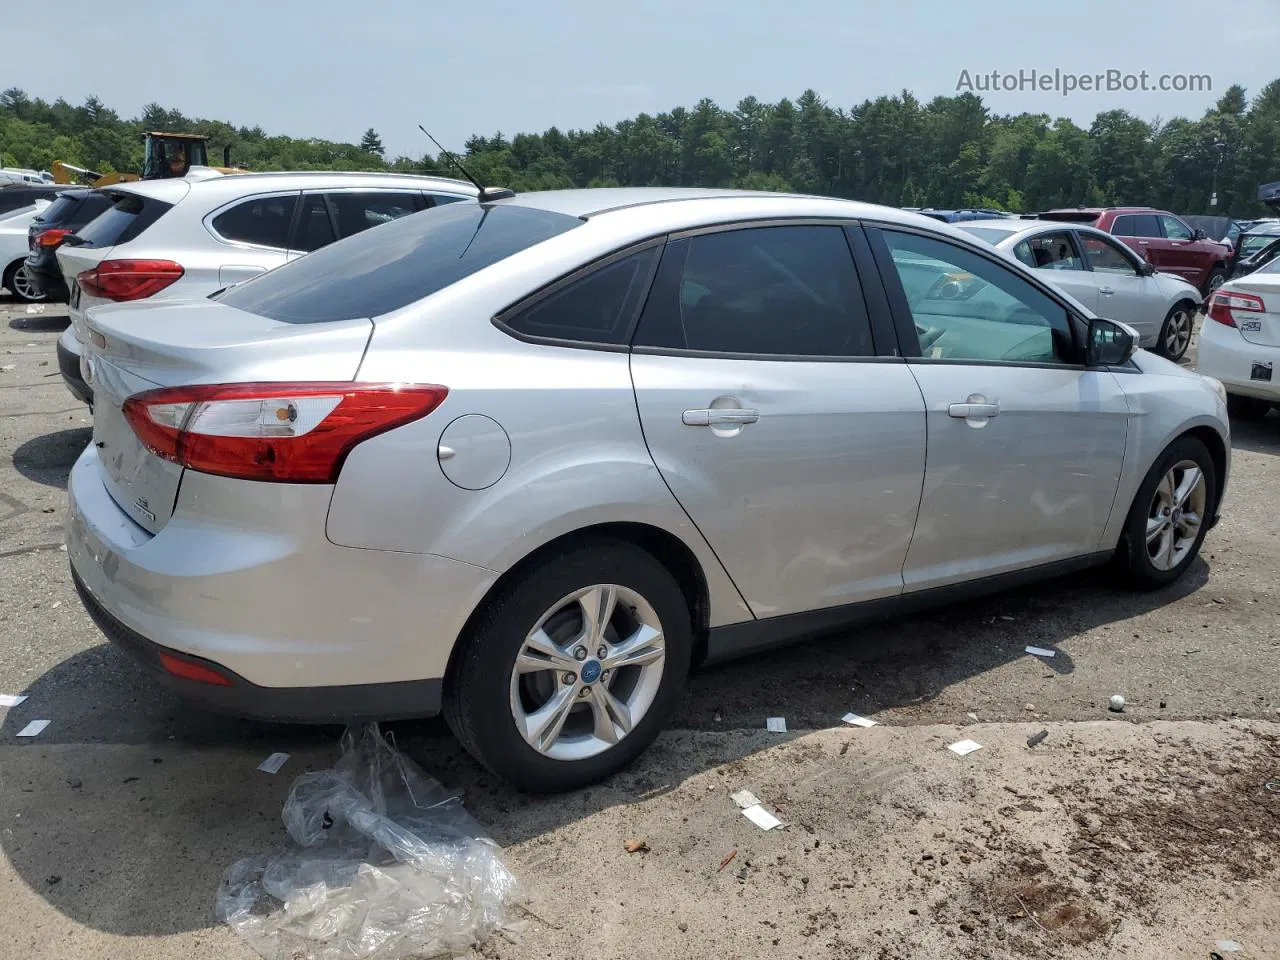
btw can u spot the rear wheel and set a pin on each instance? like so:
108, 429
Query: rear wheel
1169, 517
1175, 334
1217, 277
18, 282
1246, 408
573, 670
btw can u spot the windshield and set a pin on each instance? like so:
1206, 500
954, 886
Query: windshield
392, 265
988, 234
1251, 243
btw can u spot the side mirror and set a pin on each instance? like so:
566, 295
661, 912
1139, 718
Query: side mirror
1198, 235
1110, 343
1148, 268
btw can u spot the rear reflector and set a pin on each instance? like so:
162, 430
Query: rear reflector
52, 237
190, 670
275, 432
1221, 304
122, 280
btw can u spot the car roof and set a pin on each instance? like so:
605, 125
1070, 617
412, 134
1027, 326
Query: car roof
686, 207
240, 184
1028, 228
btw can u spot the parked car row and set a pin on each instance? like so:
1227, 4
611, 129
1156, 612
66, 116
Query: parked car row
527, 461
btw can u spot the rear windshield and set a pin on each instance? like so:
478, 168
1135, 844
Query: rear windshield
74, 211
122, 221
59, 209
383, 269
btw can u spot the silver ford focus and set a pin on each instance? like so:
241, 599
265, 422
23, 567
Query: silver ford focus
527, 462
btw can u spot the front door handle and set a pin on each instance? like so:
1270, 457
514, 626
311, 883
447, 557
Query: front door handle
976, 408
1106, 291
735, 416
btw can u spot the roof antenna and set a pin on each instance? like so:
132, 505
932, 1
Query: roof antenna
486, 193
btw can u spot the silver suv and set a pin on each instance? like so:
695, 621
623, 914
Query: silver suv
187, 238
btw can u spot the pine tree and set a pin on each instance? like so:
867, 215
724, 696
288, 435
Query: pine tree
371, 142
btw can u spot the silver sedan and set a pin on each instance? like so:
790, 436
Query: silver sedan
530, 461
1104, 275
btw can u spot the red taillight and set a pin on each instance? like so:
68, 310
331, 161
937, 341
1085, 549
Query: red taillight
190, 670
1221, 304
279, 432
52, 237
121, 280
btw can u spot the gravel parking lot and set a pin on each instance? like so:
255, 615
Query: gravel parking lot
1148, 834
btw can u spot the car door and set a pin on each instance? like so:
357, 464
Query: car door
1025, 443
1125, 292
1179, 250
1140, 232
1058, 257
794, 444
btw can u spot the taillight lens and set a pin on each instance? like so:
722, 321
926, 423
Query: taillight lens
276, 432
122, 280
1222, 304
52, 237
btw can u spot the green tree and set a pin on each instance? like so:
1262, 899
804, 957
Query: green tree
371, 143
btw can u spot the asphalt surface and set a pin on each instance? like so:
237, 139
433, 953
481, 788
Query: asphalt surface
117, 821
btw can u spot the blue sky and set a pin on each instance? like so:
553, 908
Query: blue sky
332, 68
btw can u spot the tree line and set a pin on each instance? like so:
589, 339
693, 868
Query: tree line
898, 150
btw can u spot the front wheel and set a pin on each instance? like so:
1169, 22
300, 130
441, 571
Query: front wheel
1175, 334
1217, 277
573, 669
1169, 517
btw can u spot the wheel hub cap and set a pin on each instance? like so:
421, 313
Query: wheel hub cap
591, 671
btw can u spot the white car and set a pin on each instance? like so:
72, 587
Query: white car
187, 238
1104, 275
13, 252
1240, 341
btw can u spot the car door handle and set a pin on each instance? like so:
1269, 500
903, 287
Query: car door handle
1106, 291
714, 416
973, 410
1143, 242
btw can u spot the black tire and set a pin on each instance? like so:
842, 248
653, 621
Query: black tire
1216, 278
1132, 553
1184, 316
1246, 408
8, 283
477, 690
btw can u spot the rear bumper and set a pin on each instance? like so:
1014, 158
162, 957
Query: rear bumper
69, 367
1227, 356
47, 278
340, 704
242, 579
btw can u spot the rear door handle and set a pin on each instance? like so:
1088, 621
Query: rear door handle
713, 416
1106, 291
1144, 242
973, 410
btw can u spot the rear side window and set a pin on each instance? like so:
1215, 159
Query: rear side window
596, 308
1136, 225
122, 221
358, 211
261, 221
381, 270
777, 291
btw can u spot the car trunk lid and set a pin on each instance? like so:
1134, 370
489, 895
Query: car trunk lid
130, 348
1262, 328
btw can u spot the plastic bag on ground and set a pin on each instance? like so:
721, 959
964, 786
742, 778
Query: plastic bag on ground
387, 865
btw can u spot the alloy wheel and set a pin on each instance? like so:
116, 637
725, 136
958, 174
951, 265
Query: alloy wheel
1177, 334
587, 672
1175, 515
23, 288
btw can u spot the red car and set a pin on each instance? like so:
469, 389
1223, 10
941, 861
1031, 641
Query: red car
1163, 238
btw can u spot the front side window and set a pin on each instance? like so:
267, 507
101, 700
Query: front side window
1049, 251
966, 307
261, 221
1174, 228
1105, 257
358, 211
779, 291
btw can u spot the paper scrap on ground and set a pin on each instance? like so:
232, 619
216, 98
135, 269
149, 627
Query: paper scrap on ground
34, 728
35, 308
11, 699
745, 798
1229, 946
858, 721
963, 747
1041, 652
776, 724
273, 763
761, 817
